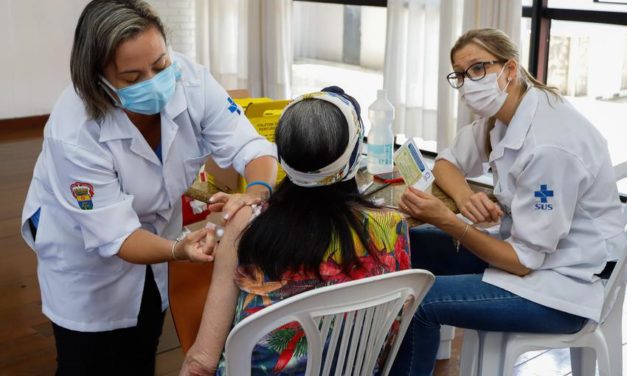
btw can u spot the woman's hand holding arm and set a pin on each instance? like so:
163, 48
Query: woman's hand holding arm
217, 318
430, 209
262, 169
475, 206
479, 208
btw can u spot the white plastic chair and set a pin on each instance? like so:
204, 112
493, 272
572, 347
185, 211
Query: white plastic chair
447, 335
356, 316
495, 353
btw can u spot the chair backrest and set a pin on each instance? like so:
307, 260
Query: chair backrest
348, 321
616, 283
620, 171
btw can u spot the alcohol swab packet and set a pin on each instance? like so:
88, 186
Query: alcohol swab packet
412, 166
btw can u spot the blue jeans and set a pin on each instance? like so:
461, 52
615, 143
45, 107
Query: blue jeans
459, 298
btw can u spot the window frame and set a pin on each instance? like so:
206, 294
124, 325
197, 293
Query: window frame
369, 3
610, 2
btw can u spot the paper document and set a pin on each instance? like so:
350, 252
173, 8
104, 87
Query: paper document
412, 166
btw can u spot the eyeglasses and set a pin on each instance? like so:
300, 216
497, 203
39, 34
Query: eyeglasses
475, 72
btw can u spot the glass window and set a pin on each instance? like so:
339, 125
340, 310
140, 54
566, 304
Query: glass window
341, 45
588, 63
525, 41
609, 5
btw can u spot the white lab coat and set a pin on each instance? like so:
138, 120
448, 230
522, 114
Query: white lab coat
84, 285
554, 180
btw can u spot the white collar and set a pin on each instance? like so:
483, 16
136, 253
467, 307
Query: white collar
513, 135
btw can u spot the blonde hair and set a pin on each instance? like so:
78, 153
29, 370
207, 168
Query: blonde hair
499, 44
102, 26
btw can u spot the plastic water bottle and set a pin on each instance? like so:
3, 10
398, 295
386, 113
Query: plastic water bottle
380, 137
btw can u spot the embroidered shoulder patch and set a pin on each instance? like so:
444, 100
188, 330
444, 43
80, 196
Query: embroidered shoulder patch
544, 193
233, 107
83, 192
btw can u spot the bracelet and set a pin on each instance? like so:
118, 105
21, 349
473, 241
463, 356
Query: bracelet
181, 236
173, 247
262, 183
458, 242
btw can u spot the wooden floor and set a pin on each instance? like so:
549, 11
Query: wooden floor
26, 341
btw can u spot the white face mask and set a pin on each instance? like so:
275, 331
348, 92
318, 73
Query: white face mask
484, 97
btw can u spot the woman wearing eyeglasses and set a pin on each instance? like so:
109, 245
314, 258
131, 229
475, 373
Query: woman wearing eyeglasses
558, 207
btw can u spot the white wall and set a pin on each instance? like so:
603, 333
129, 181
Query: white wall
179, 18
36, 41
35, 45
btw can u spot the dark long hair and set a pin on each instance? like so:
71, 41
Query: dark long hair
300, 223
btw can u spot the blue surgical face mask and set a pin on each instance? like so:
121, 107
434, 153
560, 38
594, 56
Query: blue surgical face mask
147, 97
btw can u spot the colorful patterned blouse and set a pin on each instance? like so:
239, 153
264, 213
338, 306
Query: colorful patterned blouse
284, 351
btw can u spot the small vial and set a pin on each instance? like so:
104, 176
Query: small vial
219, 230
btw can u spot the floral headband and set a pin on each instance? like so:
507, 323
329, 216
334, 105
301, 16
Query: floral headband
345, 167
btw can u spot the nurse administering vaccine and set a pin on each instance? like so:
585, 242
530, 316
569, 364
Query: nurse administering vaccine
558, 206
103, 212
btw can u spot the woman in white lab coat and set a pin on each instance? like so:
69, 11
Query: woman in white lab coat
103, 211
558, 208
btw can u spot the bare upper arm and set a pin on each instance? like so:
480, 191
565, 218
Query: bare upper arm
232, 231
